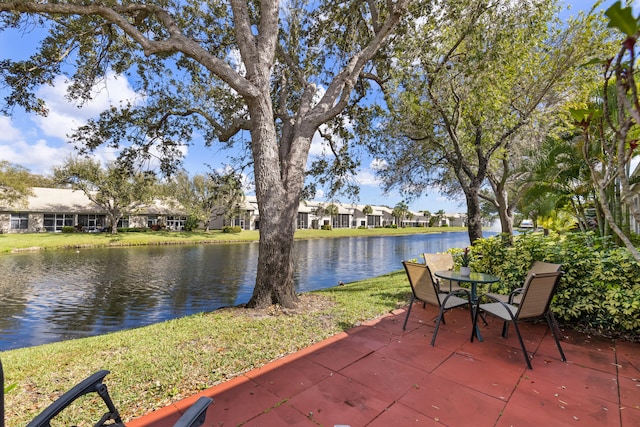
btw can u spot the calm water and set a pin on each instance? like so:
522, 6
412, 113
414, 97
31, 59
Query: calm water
53, 296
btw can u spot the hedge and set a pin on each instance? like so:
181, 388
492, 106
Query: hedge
600, 288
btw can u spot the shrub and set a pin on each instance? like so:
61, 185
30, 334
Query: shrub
391, 226
68, 229
600, 288
132, 229
326, 227
191, 223
235, 229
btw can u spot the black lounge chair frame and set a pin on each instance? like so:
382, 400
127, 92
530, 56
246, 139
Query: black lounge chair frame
193, 417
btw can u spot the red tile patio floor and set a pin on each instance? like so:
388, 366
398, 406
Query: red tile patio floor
379, 375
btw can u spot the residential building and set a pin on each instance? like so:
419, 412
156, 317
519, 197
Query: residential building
51, 209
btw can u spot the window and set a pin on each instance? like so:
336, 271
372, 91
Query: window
341, 221
152, 220
303, 220
123, 222
176, 223
373, 220
55, 222
19, 221
91, 222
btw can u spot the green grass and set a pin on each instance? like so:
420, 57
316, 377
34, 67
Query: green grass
46, 241
162, 363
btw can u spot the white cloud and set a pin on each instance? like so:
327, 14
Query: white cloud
38, 157
367, 177
7, 131
378, 164
65, 115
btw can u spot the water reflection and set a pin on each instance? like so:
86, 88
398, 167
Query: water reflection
53, 296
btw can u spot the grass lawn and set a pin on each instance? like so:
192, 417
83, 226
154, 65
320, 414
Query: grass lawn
46, 241
156, 365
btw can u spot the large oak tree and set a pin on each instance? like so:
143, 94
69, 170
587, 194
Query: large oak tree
276, 69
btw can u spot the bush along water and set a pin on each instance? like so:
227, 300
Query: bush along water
600, 289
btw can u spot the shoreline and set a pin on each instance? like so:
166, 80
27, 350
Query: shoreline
40, 242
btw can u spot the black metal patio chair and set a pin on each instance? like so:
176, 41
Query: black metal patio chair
535, 303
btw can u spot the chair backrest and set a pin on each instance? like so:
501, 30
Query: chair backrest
539, 289
437, 262
542, 267
421, 281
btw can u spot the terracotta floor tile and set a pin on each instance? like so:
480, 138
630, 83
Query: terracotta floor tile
373, 337
628, 359
571, 379
494, 349
630, 417
449, 403
385, 375
241, 403
495, 378
451, 339
339, 354
630, 350
571, 336
292, 378
560, 407
532, 333
399, 415
414, 349
419, 316
602, 357
630, 392
392, 324
283, 415
516, 415
338, 400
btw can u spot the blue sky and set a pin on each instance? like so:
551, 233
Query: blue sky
39, 143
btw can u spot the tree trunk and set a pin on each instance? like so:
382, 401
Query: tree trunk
505, 214
274, 279
279, 172
474, 215
114, 223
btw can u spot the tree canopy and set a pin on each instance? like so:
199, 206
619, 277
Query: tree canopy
478, 83
113, 188
15, 183
206, 197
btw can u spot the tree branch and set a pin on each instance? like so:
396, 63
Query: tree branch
125, 17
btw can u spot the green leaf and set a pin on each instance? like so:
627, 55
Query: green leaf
622, 19
582, 114
594, 61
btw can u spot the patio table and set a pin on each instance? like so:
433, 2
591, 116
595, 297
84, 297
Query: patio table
473, 278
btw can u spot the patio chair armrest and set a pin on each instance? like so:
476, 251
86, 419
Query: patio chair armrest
91, 384
195, 415
497, 300
514, 293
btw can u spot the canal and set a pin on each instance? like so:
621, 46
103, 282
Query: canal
58, 295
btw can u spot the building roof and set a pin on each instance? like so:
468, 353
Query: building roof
65, 200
